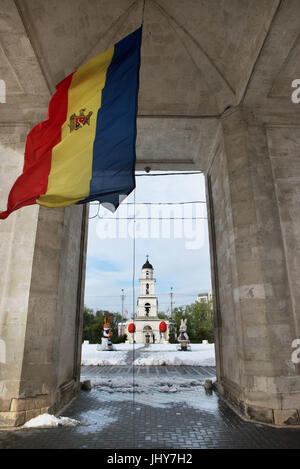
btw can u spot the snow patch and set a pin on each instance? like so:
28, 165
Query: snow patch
48, 420
154, 354
200, 355
118, 356
144, 385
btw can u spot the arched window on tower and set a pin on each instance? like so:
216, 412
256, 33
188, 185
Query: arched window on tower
147, 288
147, 274
147, 308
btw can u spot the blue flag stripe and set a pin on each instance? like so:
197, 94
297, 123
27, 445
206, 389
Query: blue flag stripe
114, 146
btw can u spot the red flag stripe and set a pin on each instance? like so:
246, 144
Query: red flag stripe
39, 144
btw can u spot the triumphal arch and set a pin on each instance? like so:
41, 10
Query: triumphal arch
218, 94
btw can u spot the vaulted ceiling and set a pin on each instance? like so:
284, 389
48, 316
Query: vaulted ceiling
199, 57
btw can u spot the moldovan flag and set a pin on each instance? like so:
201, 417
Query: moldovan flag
85, 150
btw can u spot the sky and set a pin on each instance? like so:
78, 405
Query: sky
177, 246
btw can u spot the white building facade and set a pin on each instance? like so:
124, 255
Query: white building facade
205, 297
147, 322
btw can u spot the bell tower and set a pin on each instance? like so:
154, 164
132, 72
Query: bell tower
147, 306
146, 328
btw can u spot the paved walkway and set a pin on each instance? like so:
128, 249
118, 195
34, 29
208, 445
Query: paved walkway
169, 371
158, 407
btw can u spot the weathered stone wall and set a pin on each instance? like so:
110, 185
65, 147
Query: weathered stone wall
223, 265
255, 321
17, 240
284, 151
51, 341
42, 279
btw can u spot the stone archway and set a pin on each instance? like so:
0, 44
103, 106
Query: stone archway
230, 115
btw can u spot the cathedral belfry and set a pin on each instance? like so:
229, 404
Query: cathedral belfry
147, 306
148, 326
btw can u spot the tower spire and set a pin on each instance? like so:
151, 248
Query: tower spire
147, 264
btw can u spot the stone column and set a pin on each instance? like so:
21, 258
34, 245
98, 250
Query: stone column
42, 257
253, 198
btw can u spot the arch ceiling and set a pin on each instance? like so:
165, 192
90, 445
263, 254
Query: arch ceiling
198, 58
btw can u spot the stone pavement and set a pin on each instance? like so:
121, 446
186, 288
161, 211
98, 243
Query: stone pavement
168, 409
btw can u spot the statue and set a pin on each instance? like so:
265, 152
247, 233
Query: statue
106, 344
183, 338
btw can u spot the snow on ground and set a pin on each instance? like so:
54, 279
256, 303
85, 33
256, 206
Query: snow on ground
127, 347
48, 420
157, 392
146, 385
92, 356
164, 347
167, 354
154, 354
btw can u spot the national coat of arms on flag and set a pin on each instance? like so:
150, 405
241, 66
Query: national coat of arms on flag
85, 150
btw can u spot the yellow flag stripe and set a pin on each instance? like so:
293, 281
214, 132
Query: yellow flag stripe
72, 157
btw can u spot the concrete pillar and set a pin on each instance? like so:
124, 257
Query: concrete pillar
42, 257
253, 196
